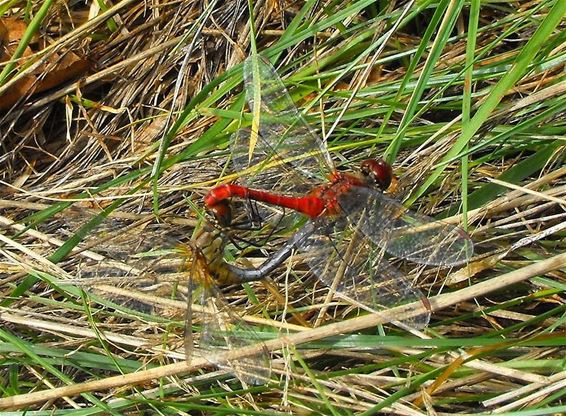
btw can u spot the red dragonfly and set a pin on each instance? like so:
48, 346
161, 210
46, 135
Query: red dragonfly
352, 223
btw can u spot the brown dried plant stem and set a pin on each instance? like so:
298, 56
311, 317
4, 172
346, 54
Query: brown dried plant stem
356, 324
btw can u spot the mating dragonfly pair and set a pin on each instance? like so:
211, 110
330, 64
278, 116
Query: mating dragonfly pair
351, 224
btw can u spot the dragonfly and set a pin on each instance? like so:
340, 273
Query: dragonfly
353, 225
150, 269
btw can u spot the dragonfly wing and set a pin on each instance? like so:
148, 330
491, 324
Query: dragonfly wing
148, 271
403, 233
288, 156
268, 168
224, 330
345, 259
136, 269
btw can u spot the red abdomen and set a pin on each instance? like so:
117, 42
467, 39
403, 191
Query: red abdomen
216, 201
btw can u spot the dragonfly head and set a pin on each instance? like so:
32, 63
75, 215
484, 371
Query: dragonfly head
378, 172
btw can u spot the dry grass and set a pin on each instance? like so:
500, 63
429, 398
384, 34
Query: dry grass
116, 162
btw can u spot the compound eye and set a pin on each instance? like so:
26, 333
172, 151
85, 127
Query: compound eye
379, 171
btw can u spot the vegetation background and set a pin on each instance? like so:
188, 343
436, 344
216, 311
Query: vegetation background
115, 120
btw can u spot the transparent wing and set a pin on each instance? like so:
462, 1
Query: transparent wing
223, 330
345, 259
403, 233
139, 268
144, 269
288, 157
